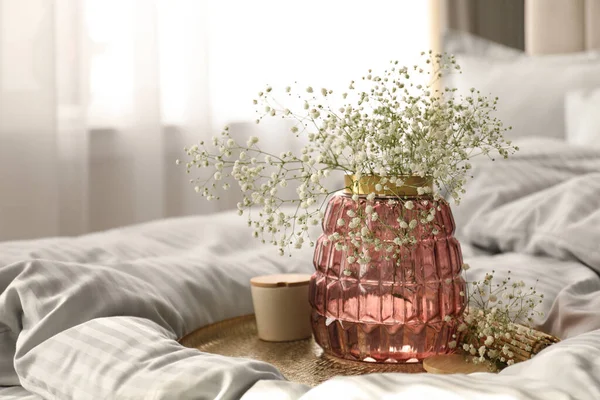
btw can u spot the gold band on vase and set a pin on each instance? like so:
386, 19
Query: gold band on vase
367, 185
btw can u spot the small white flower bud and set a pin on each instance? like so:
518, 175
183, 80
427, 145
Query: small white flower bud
252, 140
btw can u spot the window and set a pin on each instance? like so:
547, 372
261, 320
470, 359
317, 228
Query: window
213, 56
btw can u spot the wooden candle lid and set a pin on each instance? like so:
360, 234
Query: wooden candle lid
280, 280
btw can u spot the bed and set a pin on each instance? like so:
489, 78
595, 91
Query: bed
98, 316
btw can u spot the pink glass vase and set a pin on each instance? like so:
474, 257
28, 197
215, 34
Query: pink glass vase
387, 310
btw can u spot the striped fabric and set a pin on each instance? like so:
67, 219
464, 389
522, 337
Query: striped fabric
97, 316
544, 201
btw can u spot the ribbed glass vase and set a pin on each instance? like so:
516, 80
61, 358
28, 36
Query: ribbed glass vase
388, 310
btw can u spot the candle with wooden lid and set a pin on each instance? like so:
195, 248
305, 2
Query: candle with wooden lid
281, 307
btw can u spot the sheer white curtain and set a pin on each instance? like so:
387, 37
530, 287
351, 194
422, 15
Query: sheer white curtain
98, 97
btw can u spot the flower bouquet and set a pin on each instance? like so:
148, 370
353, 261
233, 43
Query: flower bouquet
494, 329
388, 269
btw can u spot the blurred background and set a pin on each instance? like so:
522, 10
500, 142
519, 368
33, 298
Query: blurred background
99, 97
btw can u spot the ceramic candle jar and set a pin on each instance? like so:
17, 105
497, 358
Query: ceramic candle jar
281, 307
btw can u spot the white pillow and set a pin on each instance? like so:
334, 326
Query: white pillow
456, 42
582, 117
531, 90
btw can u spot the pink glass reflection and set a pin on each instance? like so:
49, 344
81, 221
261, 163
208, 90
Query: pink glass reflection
379, 312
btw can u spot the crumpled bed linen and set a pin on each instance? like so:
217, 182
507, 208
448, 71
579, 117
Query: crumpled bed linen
98, 316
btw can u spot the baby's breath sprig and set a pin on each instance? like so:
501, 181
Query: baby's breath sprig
497, 318
393, 125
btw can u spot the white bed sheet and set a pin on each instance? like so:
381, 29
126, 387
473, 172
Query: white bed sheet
80, 343
97, 317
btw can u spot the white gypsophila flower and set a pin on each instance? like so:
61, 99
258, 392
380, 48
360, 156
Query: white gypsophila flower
383, 124
482, 350
251, 141
493, 323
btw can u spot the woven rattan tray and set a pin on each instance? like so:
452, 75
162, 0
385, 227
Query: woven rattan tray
301, 361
